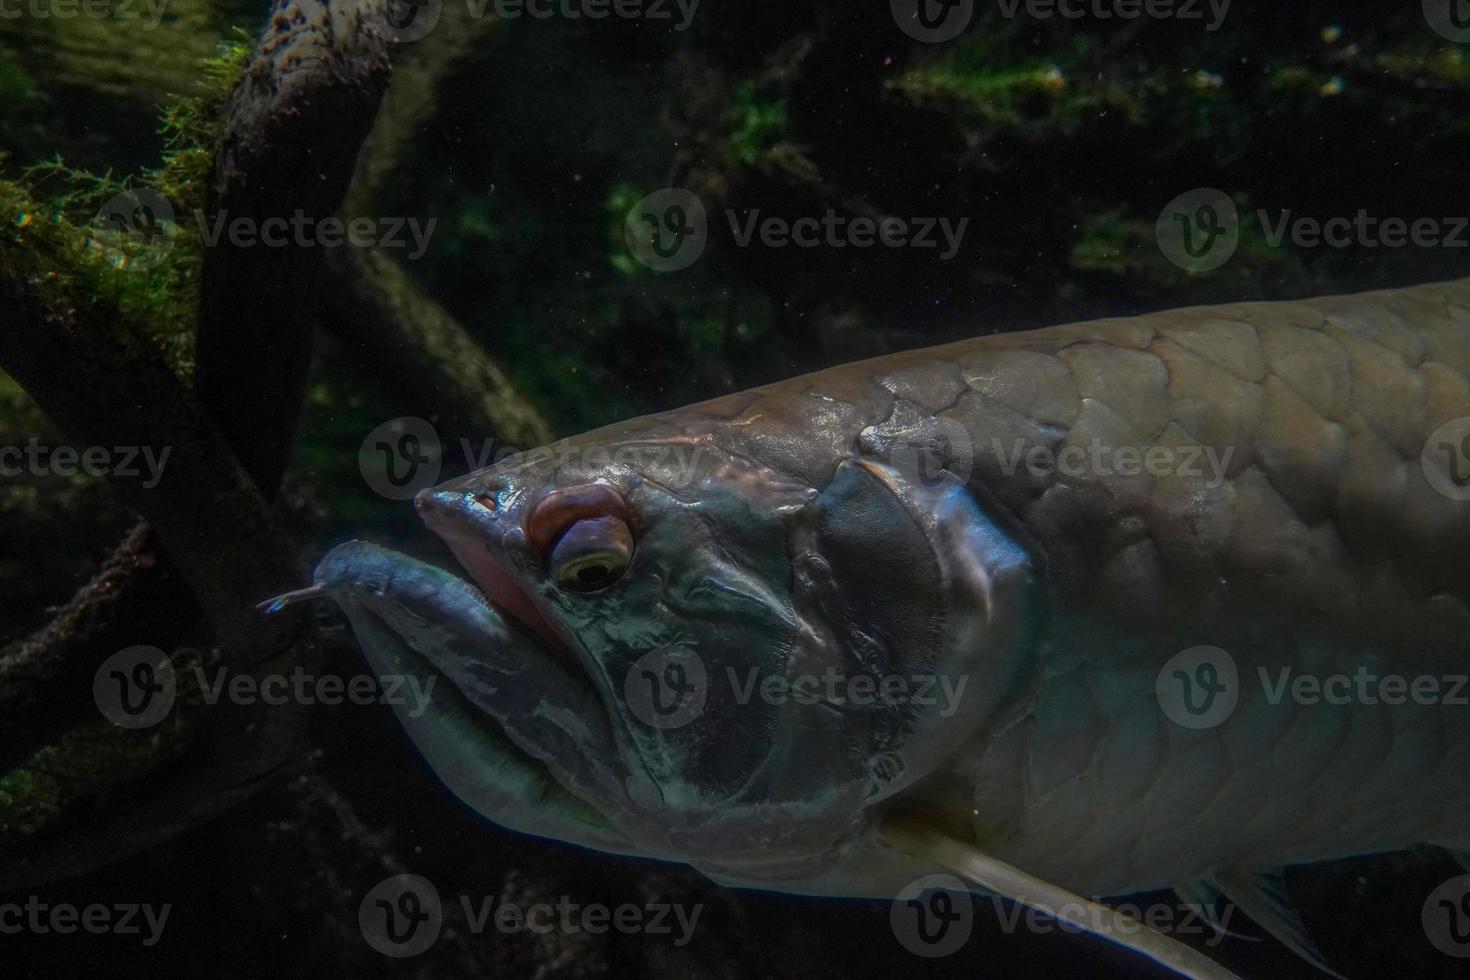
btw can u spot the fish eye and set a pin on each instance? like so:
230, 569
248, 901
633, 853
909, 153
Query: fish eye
591, 555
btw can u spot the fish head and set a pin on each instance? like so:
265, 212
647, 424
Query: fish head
753, 652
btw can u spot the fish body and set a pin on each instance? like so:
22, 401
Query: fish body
1152, 595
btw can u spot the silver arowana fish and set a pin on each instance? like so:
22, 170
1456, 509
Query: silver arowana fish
1087, 503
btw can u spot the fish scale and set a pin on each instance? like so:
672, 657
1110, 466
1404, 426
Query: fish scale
1324, 528
1067, 525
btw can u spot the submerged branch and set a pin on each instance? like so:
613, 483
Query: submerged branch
46, 680
417, 348
423, 353
291, 136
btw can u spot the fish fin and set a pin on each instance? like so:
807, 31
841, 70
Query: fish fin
1262, 895
1204, 895
912, 834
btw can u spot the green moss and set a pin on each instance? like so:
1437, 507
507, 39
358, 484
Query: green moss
130, 56
82, 763
760, 124
19, 90
974, 79
53, 239
1444, 64
91, 759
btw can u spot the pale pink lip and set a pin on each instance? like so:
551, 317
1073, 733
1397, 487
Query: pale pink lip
451, 516
505, 593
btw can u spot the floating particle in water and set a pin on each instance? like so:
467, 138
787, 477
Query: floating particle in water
1331, 33
1333, 86
1205, 81
23, 219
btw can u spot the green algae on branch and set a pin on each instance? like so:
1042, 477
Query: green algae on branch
129, 56
760, 124
47, 248
69, 267
89, 760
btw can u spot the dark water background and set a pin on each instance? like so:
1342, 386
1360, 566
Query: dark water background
1062, 141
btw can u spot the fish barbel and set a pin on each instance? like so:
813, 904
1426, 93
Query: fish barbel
1173, 600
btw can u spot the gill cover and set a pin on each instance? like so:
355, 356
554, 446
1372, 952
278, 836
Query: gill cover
921, 586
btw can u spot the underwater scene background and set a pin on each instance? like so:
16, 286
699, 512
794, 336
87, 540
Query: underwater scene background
1042, 168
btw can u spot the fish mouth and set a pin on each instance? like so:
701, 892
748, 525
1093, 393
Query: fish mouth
466, 523
508, 728
480, 733
498, 585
